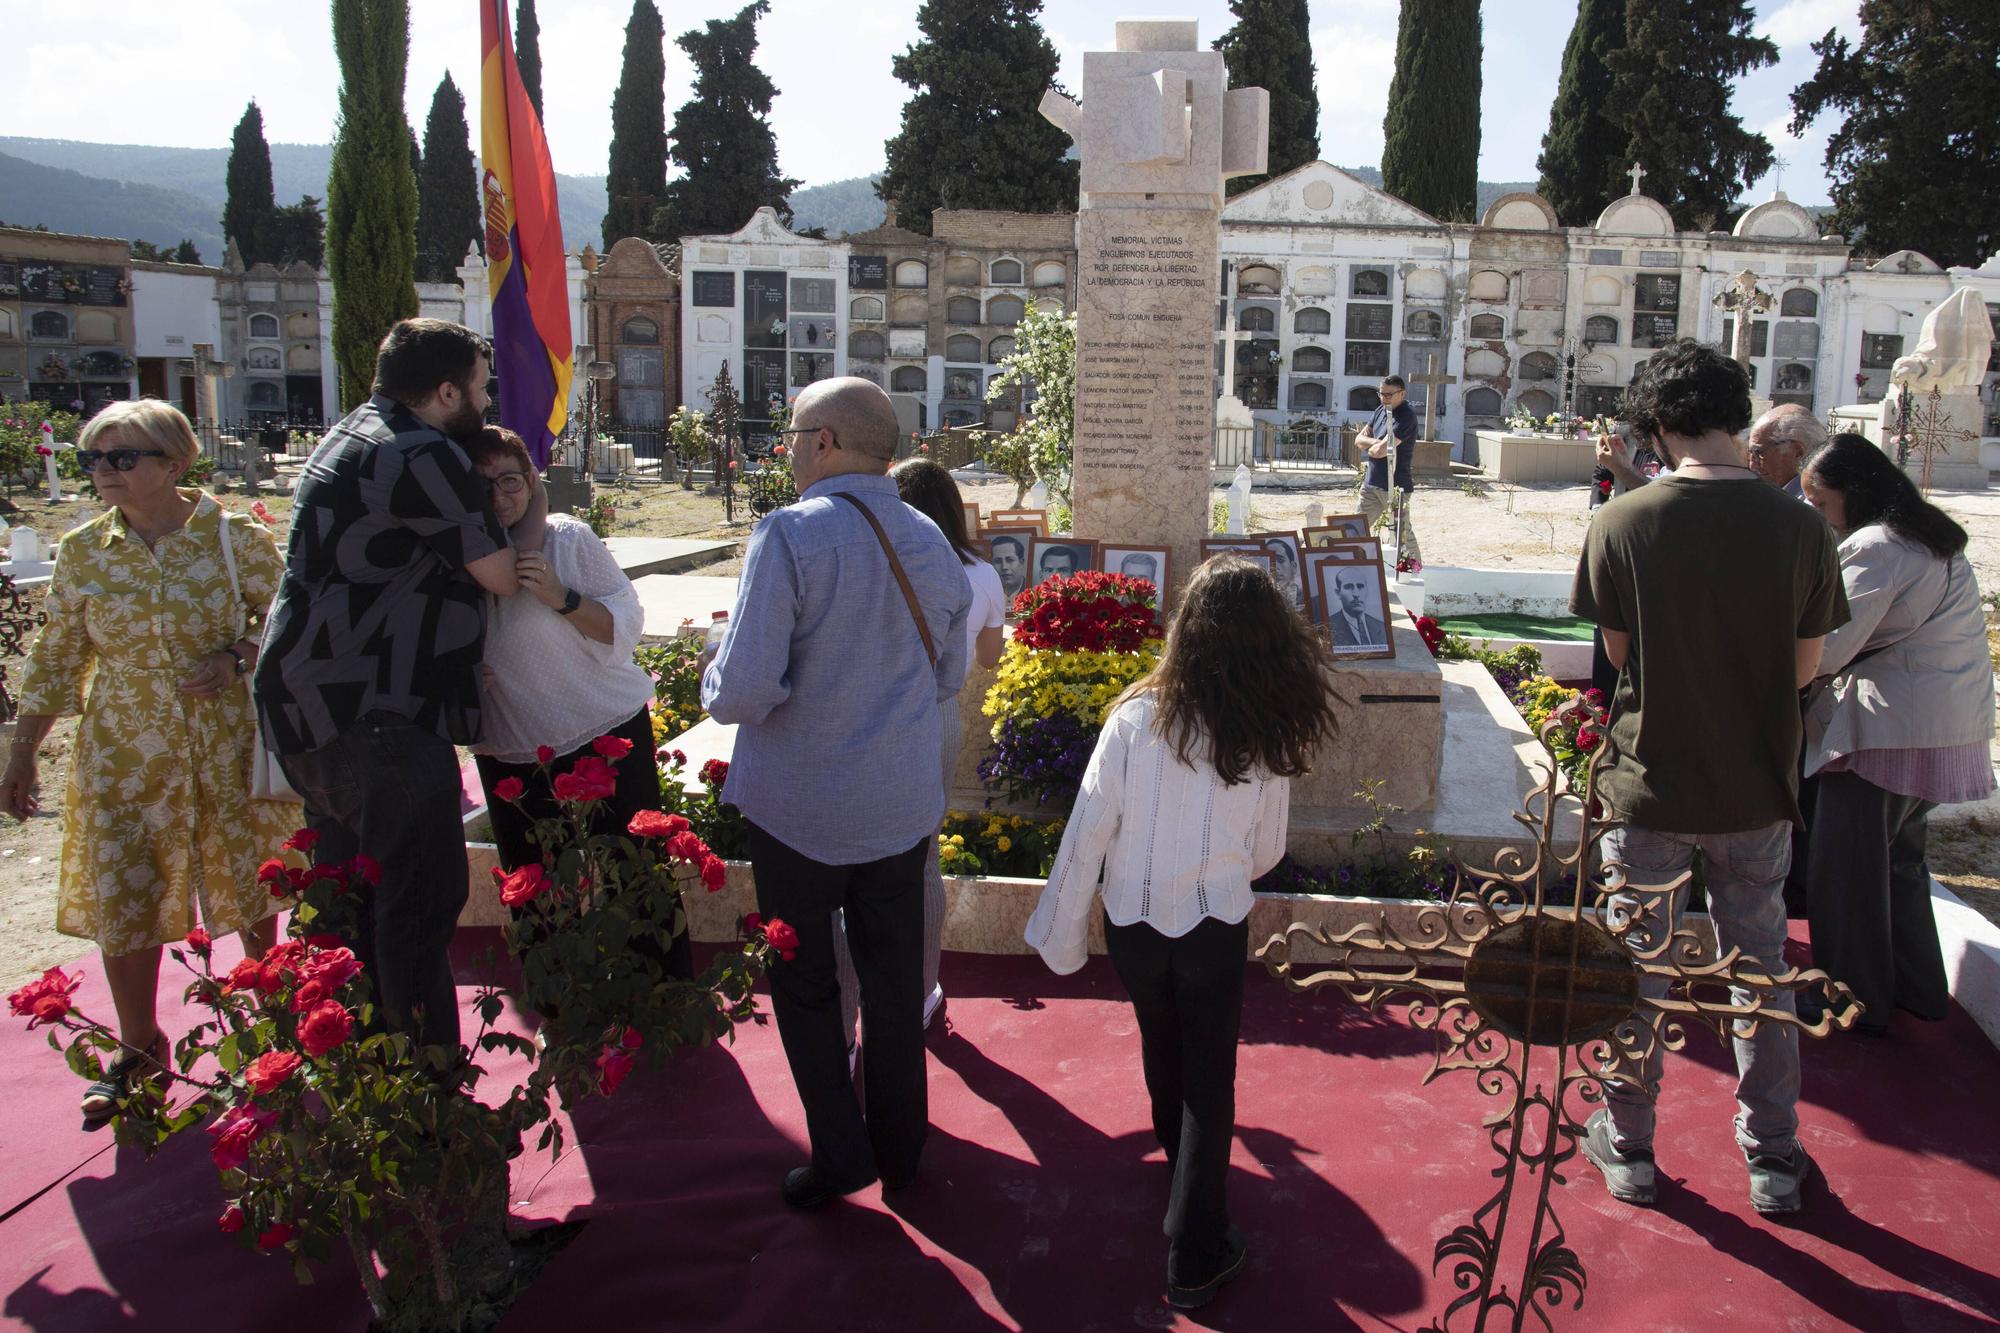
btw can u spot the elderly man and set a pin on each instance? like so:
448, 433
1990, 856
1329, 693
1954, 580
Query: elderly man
1780, 441
848, 631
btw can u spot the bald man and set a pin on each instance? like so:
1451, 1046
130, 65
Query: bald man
834, 677
1780, 442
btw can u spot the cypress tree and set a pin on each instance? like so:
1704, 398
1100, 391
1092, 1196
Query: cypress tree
971, 135
1919, 94
371, 193
1582, 162
1430, 149
1670, 91
528, 53
722, 136
299, 232
448, 217
637, 183
246, 211
1270, 47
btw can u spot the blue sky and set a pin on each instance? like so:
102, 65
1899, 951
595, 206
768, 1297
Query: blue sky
141, 72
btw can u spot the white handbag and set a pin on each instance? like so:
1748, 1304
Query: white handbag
267, 776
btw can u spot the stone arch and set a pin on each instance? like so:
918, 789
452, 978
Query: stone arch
1799, 301
868, 308
1006, 273
1794, 377
1049, 305
1000, 349
1490, 285
1523, 210
1636, 215
301, 324
913, 273
1312, 361
1603, 289
1313, 280
1486, 326
1309, 395
1538, 366
263, 325
1482, 402
961, 271
908, 379
1424, 284
1600, 329
639, 329
1367, 282
1005, 311
1312, 320
1363, 398
1257, 319
50, 324
1778, 218
962, 348
1051, 273
962, 310
1540, 402
1484, 363
1426, 324
1261, 278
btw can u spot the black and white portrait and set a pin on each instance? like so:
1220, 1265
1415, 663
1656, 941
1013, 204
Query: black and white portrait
1284, 549
1136, 562
1007, 552
1357, 608
1061, 555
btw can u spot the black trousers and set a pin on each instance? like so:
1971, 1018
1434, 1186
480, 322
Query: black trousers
1188, 994
884, 906
1870, 899
391, 790
638, 789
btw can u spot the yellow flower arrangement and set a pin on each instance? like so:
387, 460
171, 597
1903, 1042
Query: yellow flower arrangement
1038, 682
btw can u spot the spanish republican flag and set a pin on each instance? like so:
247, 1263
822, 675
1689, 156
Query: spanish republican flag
532, 351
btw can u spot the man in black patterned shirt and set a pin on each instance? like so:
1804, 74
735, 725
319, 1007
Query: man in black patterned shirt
369, 674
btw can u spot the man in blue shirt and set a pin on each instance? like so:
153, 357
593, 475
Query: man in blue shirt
835, 690
1394, 426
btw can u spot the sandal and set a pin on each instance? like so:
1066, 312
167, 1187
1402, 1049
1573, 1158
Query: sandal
100, 1099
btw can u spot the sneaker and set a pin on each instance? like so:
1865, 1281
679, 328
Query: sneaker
1629, 1176
1195, 1295
1777, 1184
805, 1187
933, 1005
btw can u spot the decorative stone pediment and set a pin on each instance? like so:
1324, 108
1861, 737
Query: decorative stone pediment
1778, 219
1523, 210
1320, 192
763, 228
1636, 215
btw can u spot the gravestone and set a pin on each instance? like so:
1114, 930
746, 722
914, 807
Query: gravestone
1158, 133
569, 493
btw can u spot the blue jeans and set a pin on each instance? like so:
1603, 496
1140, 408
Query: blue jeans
391, 790
1745, 882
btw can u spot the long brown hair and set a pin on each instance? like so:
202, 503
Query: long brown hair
1243, 674
928, 488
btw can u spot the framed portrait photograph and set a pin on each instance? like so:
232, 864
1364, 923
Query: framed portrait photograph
1364, 548
1250, 548
1138, 562
1038, 519
1007, 551
1048, 556
1309, 563
1355, 594
1337, 527
971, 517
1284, 549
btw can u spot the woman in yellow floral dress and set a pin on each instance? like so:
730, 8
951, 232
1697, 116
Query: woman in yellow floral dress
146, 641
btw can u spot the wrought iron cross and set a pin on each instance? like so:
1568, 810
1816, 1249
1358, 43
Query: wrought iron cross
1544, 1003
16, 622
1927, 432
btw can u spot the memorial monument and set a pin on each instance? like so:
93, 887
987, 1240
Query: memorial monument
1932, 415
1158, 132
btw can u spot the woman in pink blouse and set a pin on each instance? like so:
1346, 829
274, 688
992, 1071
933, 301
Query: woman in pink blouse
1901, 722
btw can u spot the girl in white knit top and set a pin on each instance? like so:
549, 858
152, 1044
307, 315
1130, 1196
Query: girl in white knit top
1183, 804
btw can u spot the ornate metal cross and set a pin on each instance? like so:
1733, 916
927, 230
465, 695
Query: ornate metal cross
1544, 1002
1927, 432
1741, 299
16, 623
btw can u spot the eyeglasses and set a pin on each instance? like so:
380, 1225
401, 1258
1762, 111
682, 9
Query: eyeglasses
122, 459
811, 430
508, 483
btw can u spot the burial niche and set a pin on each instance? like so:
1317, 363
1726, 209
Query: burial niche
1312, 320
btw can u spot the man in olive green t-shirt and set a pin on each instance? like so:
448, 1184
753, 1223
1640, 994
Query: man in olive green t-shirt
1713, 591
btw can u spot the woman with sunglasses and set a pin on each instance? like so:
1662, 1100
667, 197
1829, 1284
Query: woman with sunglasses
559, 670
159, 826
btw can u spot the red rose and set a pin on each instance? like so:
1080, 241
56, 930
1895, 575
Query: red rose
301, 841
714, 873
509, 789
272, 872
275, 1236
231, 1220
325, 1029
524, 885
277, 960
680, 757
365, 867
613, 1064
612, 747
198, 940
336, 966
296, 881
545, 754
309, 993
685, 846
752, 922
47, 999
654, 824
242, 977
782, 938
268, 1072
632, 1039
714, 773
235, 1130
1586, 739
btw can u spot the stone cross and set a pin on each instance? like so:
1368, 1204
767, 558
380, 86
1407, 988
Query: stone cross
1635, 173
1158, 132
1233, 337
1434, 383
1742, 299
49, 462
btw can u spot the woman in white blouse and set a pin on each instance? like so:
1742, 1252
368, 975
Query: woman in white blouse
559, 669
1184, 802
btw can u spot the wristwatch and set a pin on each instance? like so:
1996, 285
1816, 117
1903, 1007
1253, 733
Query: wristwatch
572, 599
242, 662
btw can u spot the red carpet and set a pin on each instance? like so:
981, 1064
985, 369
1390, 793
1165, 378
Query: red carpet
1041, 1193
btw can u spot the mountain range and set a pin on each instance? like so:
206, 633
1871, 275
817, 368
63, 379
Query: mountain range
164, 194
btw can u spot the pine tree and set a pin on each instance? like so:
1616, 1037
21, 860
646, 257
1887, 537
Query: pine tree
1670, 88
371, 193
971, 135
637, 183
246, 211
1430, 149
447, 190
1270, 47
298, 232
722, 136
1582, 162
1919, 94
528, 53
185, 253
